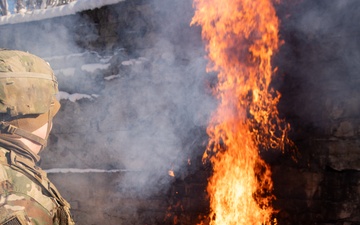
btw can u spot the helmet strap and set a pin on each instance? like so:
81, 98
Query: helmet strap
48, 127
11, 129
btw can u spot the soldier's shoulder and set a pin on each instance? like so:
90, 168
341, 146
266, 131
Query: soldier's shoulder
22, 209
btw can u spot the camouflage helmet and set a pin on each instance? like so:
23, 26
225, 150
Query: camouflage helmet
28, 89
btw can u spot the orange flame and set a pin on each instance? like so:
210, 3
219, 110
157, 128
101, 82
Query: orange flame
242, 37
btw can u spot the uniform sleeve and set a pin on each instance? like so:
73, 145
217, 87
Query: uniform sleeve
18, 204
8, 215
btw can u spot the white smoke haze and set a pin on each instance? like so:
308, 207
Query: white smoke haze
140, 119
45, 39
163, 98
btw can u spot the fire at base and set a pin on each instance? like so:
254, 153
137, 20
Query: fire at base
242, 37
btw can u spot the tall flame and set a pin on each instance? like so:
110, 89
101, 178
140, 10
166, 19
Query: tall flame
242, 37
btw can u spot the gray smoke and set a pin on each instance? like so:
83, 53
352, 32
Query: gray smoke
140, 106
321, 60
137, 109
162, 97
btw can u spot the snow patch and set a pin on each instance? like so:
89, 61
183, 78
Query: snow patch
66, 72
132, 62
75, 170
73, 97
111, 77
92, 67
58, 11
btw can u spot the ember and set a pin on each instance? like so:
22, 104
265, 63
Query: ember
242, 37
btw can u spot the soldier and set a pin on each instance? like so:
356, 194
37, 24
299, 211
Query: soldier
27, 106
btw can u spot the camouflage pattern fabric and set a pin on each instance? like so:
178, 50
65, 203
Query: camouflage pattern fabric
27, 101
23, 201
28, 89
27, 83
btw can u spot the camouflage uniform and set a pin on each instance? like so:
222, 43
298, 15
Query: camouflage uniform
24, 198
27, 101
